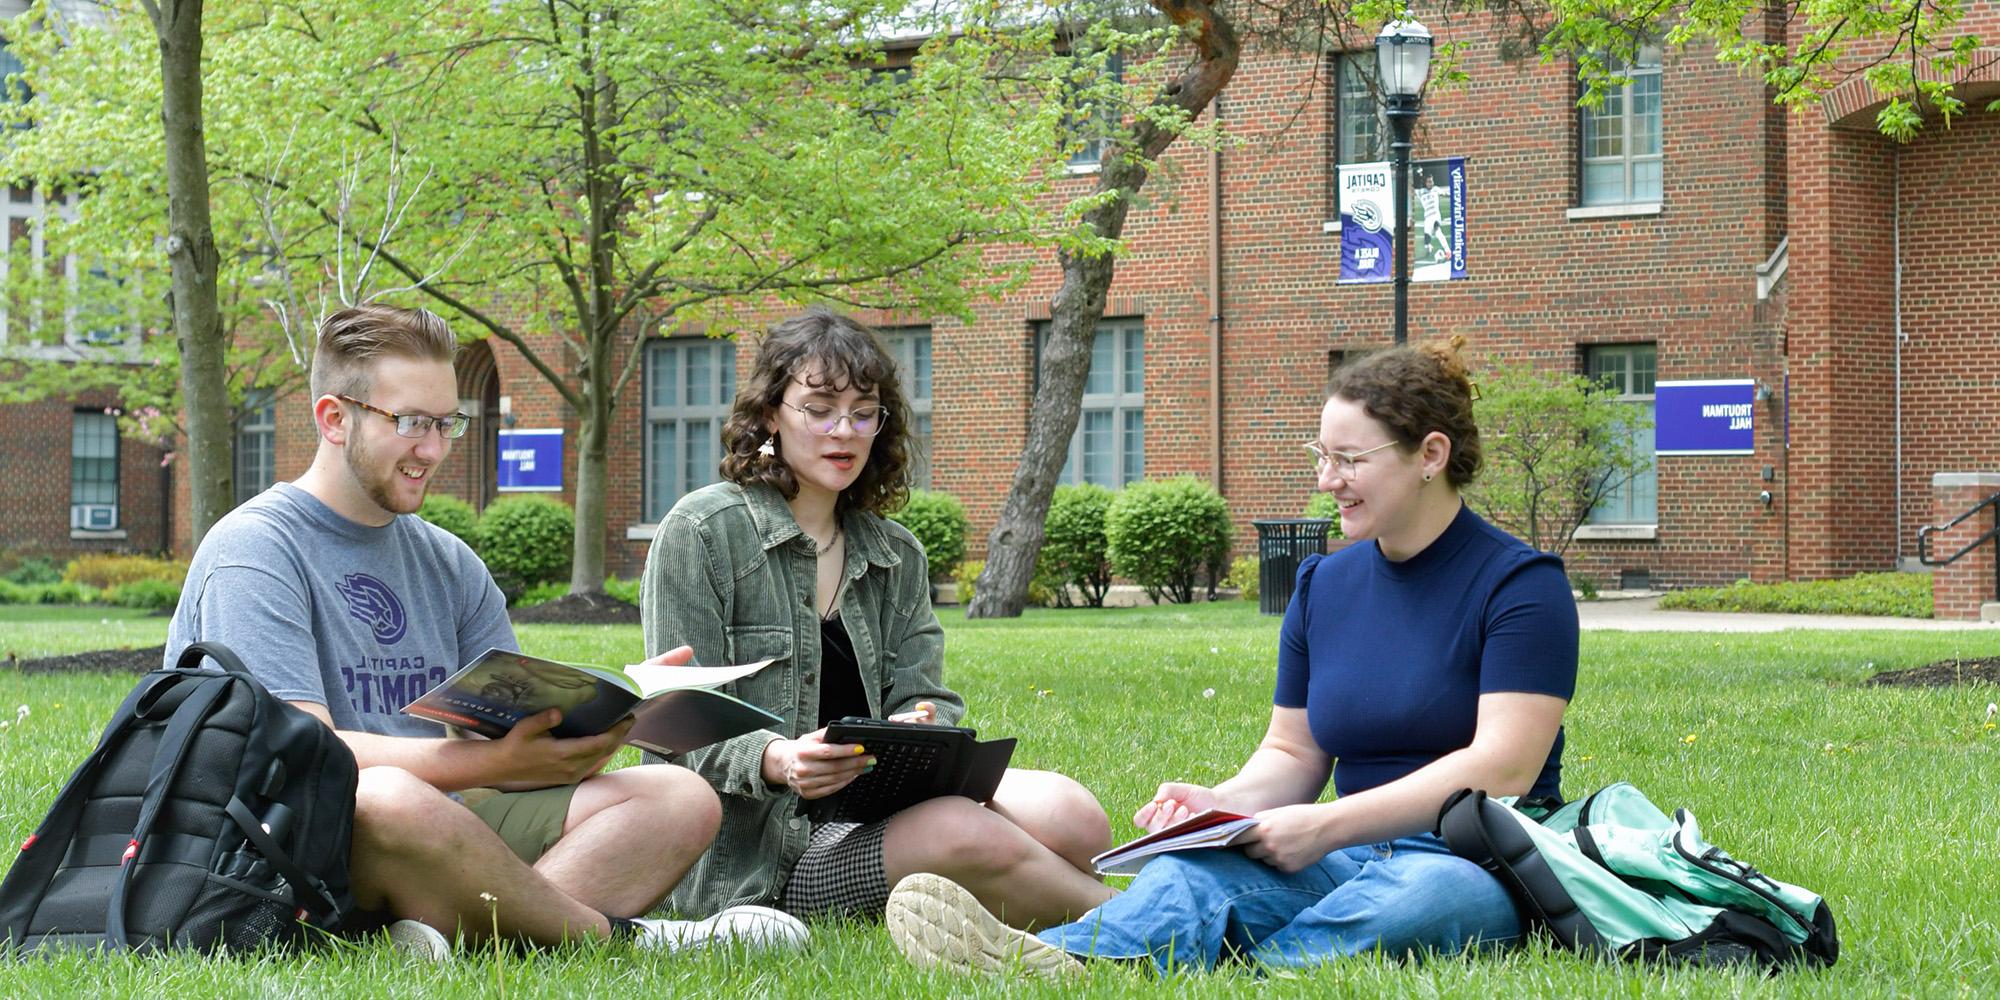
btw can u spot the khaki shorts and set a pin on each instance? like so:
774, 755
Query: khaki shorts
529, 822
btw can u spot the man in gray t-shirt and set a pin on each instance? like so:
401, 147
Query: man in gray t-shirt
348, 606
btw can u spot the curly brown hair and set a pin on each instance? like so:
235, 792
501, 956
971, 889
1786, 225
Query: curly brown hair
1413, 391
838, 352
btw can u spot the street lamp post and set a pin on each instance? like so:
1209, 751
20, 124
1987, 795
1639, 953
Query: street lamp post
1403, 64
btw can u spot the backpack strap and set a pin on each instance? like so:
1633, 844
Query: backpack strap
308, 890
1481, 830
191, 657
29, 879
174, 743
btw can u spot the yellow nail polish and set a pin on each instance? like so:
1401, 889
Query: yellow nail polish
859, 749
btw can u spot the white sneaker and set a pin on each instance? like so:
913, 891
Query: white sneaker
753, 927
936, 922
420, 941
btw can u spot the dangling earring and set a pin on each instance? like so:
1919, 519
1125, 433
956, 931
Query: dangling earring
769, 449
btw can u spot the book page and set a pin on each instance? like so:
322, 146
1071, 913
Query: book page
653, 678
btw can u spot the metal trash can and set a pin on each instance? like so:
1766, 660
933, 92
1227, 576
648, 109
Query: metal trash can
1281, 544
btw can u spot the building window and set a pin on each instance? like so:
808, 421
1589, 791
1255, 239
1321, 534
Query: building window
1620, 159
690, 383
93, 471
1360, 131
1109, 446
911, 347
256, 444
1628, 370
1090, 126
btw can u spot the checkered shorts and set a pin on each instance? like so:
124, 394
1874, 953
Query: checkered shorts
840, 874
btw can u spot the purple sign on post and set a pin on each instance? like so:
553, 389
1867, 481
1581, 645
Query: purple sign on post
1705, 417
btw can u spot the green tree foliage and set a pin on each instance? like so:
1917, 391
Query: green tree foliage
1909, 53
524, 541
570, 178
1555, 446
1075, 551
1162, 533
938, 520
1325, 505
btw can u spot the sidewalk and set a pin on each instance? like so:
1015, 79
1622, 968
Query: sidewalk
1643, 614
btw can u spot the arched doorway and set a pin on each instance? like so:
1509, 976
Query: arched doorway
479, 395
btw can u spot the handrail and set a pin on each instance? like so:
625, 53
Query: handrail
1924, 539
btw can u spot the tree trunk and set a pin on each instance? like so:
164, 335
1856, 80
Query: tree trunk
1017, 538
191, 250
586, 574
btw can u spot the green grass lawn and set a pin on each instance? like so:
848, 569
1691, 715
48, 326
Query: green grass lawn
1881, 799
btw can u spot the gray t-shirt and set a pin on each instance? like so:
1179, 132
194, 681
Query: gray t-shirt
321, 609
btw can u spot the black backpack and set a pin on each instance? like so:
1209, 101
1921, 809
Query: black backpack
211, 816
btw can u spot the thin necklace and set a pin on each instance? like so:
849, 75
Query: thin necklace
819, 549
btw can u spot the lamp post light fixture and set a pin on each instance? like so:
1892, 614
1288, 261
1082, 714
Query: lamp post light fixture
1403, 64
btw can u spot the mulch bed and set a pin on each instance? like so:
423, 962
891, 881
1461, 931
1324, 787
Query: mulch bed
578, 609
103, 661
1943, 673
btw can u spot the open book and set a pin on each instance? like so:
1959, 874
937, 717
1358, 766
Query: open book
1208, 828
678, 708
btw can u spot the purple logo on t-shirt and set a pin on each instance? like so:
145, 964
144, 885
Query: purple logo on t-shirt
371, 601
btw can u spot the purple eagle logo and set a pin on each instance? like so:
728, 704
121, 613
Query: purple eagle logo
371, 601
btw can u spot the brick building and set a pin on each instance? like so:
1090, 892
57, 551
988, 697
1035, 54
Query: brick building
1688, 231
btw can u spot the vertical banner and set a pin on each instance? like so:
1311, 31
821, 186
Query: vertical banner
1368, 221
1705, 417
530, 461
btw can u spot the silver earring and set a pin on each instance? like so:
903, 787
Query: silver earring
769, 449
1427, 478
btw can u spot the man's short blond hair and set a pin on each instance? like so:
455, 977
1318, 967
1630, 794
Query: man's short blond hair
352, 338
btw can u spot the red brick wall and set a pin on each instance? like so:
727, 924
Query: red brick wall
35, 486
1958, 590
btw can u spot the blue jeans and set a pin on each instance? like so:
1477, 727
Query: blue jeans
1191, 908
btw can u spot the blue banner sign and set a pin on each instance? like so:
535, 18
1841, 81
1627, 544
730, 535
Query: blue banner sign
531, 461
1706, 417
1368, 221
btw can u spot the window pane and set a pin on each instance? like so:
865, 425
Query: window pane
1135, 445
1102, 346
700, 375
1135, 362
920, 452
920, 367
1360, 118
1604, 183
1097, 466
662, 450
660, 376
93, 464
1646, 115
701, 446
1646, 180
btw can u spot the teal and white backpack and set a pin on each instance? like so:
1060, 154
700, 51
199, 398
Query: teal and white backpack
1612, 874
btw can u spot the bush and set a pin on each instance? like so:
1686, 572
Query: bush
542, 593
1075, 551
1327, 506
1163, 533
1901, 595
151, 595
965, 576
32, 571
1245, 576
15, 593
525, 540
451, 514
939, 523
103, 572
624, 590
62, 592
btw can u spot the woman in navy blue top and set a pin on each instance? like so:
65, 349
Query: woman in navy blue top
1435, 653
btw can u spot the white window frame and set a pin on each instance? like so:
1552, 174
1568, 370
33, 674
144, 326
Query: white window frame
664, 486
1619, 107
89, 427
1124, 404
1620, 507
911, 347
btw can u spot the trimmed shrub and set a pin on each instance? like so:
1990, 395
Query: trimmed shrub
1902, 595
1074, 550
624, 590
151, 595
1326, 506
525, 540
103, 572
1162, 533
63, 592
451, 514
939, 523
1244, 575
15, 593
542, 593
965, 577
32, 571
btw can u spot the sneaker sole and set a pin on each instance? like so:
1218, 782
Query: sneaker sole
420, 942
937, 923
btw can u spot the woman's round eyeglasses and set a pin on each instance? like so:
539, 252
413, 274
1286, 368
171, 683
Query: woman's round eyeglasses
865, 421
1342, 462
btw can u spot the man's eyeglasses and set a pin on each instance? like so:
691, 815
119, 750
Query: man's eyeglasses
416, 425
866, 421
1342, 462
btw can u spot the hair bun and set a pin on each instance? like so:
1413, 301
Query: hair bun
1448, 356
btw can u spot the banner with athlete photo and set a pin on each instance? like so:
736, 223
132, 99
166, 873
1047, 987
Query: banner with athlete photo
1437, 221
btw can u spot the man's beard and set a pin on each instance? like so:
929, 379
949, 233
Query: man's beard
380, 489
